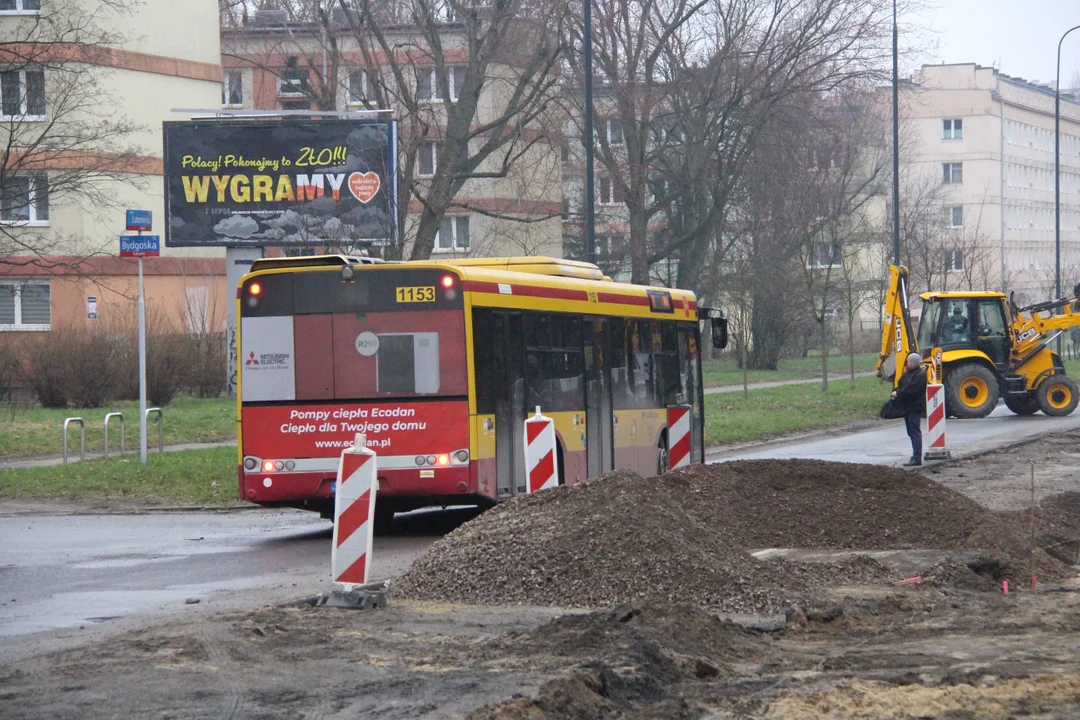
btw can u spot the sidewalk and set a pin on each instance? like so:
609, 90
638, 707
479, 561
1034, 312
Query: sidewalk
780, 383
73, 457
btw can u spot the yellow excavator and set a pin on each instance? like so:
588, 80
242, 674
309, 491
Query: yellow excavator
982, 347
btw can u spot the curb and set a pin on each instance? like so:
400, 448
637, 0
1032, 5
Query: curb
172, 509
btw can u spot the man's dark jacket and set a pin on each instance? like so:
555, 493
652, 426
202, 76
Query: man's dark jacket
911, 392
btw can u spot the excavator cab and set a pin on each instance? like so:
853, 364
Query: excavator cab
966, 321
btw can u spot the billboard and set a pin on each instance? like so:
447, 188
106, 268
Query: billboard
258, 183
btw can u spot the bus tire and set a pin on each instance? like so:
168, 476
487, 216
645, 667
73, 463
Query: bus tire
664, 459
1057, 396
1023, 405
971, 391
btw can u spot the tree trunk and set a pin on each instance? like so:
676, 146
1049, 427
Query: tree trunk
851, 346
823, 332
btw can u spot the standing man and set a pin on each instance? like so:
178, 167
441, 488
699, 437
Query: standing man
911, 394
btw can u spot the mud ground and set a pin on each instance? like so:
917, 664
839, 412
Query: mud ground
1001, 480
931, 650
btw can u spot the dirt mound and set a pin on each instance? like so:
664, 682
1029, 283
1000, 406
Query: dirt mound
817, 504
618, 539
684, 537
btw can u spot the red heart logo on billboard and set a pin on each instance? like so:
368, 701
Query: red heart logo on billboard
364, 186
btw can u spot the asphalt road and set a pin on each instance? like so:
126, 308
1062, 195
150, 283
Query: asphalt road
888, 444
74, 571
71, 571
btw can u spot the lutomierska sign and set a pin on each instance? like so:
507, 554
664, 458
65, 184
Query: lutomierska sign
280, 183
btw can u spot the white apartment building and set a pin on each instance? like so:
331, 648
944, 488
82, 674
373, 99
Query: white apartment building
988, 138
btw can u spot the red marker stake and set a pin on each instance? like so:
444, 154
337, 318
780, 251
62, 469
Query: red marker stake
1005, 586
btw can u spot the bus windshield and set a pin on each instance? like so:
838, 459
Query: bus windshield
385, 333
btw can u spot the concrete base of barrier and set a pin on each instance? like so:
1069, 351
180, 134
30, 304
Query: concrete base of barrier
353, 599
937, 455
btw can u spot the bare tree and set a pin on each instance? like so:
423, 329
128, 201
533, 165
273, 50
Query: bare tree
62, 140
474, 86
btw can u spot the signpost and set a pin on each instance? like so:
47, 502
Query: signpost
91, 307
140, 246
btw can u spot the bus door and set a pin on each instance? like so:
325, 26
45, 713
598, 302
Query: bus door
507, 353
598, 411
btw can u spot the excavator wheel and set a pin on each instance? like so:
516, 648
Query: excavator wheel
1057, 396
1022, 404
971, 391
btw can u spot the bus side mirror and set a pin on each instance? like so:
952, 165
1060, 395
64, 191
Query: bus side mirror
719, 333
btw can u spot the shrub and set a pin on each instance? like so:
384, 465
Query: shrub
206, 368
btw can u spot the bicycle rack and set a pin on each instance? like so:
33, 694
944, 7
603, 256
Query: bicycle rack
123, 432
82, 437
161, 427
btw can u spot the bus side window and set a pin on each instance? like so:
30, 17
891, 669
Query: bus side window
642, 369
483, 359
622, 395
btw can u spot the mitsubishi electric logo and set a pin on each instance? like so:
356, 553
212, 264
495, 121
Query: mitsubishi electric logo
267, 360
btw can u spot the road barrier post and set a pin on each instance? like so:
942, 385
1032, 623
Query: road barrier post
935, 423
161, 427
354, 529
541, 458
679, 422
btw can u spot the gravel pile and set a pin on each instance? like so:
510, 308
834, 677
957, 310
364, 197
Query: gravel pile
684, 537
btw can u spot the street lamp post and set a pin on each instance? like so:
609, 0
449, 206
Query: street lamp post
896, 139
1057, 172
590, 200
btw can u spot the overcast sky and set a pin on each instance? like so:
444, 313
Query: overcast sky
1018, 36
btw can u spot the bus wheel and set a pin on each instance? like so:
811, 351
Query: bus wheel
663, 460
1022, 404
1057, 396
971, 391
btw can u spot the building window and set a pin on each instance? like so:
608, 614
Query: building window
24, 306
24, 200
952, 129
825, 255
232, 88
954, 261
427, 155
22, 94
295, 104
293, 82
611, 130
954, 216
359, 87
427, 86
20, 6
952, 173
610, 193
453, 234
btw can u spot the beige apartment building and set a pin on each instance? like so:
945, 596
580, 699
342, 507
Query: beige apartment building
141, 60
271, 64
987, 140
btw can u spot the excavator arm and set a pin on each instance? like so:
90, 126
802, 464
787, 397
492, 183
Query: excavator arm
897, 336
1031, 330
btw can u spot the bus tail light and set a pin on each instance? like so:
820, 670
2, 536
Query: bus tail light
462, 455
268, 466
444, 459
447, 281
250, 463
255, 289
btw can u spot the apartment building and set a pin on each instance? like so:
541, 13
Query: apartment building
71, 74
511, 203
988, 140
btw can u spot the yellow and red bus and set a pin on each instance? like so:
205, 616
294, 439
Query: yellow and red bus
438, 363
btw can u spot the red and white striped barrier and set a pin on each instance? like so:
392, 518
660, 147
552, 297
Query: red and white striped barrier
354, 514
678, 435
935, 423
541, 460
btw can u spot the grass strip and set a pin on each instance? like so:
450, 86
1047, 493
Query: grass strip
188, 477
